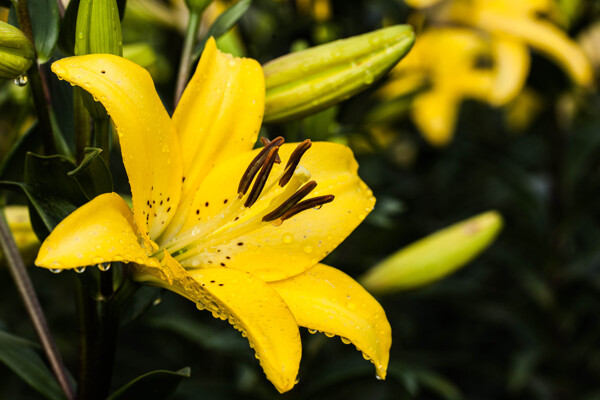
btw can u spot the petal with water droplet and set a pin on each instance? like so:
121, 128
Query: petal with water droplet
325, 299
149, 144
87, 234
254, 308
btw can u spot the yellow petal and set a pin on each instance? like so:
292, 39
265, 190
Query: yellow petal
100, 231
511, 59
151, 153
277, 252
218, 117
249, 304
325, 299
544, 37
435, 113
421, 3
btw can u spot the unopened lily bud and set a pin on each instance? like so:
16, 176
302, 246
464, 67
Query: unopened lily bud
311, 80
98, 31
16, 52
434, 256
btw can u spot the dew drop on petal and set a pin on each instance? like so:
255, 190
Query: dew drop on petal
312, 331
287, 238
104, 267
56, 271
80, 270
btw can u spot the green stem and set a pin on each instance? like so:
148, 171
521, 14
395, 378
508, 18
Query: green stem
88, 330
25, 288
41, 95
102, 137
82, 125
186, 55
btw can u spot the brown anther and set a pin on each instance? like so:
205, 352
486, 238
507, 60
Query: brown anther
262, 177
256, 164
315, 202
291, 202
265, 142
293, 162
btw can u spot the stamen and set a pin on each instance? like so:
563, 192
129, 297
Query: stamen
315, 202
293, 161
291, 202
265, 142
262, 177
256, 164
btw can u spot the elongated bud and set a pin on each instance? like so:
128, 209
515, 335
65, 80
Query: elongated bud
98, 30
434, 256
16, 52
310, 80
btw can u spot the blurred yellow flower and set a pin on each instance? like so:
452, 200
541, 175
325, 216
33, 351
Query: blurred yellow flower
478, 49
248, 252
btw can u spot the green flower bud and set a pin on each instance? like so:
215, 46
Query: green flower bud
434, 256
16, 52
98, 30
308, 81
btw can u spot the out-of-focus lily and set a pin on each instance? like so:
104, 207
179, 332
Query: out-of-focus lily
228, 227
480, 46
20, 226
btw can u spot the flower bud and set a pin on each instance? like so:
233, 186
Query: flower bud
434, 256
98, 31
311, 80
16, 52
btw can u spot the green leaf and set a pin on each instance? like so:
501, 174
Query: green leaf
153, 385
45, 22
214, 339
223, 24
93, 175
66, 40
21, 357
51, 192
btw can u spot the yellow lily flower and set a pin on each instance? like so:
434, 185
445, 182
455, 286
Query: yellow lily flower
246, 252
447, 57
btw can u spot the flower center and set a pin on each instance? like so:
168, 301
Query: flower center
196, 246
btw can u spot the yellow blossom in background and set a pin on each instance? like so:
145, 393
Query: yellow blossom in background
230, 228
20, 226
478, 49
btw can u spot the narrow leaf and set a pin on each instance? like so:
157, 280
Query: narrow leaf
222, 24
153, 385
21, 357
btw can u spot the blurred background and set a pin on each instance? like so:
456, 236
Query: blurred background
495, 108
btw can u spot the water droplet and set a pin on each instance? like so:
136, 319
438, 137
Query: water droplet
312, 331
318, 207
287, 238
104, 267
200, 306
378, 376
366, 357
369, 78
80, 270
307, 248
56, 271
296, 381
21, 80
345, 340
157, 301
80, 35
329, 334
